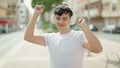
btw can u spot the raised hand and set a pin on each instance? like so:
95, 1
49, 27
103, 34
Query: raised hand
39, 9
81, 22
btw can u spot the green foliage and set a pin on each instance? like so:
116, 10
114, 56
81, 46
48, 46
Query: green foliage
48, 4
48, 24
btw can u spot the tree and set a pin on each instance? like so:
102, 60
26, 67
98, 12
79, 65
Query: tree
48, 5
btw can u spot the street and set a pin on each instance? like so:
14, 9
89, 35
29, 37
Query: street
17, 53
109, 36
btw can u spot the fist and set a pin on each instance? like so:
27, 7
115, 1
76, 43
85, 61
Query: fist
39, 9
81, 22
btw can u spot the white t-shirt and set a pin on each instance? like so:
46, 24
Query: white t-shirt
65, 50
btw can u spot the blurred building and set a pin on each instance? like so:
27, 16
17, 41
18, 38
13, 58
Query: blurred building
95, 11
111, 12
12, 14
23, 14
100, 12
8, 15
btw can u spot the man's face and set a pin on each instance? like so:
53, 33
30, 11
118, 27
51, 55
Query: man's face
62, 21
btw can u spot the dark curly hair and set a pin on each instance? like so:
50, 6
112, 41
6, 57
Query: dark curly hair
63, 9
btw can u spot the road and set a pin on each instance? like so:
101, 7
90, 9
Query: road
108, 36
7, 41
17, 53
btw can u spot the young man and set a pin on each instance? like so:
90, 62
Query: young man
67, 46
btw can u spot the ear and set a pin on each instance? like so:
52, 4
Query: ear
52, 18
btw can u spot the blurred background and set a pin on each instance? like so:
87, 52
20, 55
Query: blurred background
103, 19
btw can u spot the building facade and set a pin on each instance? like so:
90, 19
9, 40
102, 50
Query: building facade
99, 13
23, 14
111, 12
91, 11
13, 13
8, 16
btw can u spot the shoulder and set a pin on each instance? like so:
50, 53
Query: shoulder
49, 38
50, 35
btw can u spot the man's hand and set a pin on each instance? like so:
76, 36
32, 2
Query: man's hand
39, 9
81, 22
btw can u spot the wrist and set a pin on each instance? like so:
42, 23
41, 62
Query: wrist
83, 26
36, 14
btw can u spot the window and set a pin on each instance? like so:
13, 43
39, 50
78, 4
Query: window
21, 11
8, 5
114, 5
118, 22
86, 7
21, 1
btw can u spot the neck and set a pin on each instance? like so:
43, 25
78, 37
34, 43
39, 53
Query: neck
64, 31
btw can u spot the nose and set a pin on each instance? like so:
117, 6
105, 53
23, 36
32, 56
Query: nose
60, 21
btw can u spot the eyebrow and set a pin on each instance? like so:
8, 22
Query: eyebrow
59, 17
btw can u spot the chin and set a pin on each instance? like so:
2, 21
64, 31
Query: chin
59, 28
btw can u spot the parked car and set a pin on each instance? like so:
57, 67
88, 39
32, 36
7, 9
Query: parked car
116, 30
2, 30
93, 28
108, 28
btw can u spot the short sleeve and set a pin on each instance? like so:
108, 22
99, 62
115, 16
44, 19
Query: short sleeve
83, 37
47, 39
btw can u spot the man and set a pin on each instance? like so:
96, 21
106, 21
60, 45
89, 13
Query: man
67, 46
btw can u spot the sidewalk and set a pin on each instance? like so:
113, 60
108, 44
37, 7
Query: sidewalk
29, 56
110, 51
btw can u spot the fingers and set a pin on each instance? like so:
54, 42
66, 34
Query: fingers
39, 7
80, 20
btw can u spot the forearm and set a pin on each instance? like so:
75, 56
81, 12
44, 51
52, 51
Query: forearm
31, 25
93, 42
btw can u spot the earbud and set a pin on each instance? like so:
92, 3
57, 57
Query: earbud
73, 20
52, 18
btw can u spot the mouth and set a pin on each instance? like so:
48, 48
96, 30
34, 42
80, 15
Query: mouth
60, 25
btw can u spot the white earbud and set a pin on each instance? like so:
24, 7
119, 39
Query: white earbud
52, 18
73, 19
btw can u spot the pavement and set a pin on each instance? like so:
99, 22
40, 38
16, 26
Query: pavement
108, 36
108, 58
29, 55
